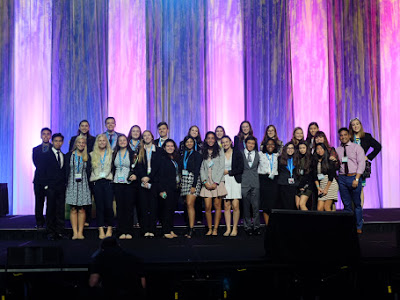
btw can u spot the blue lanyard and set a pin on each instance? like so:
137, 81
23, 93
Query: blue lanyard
103, 160
149, 153
185, 160
195, 144
176, 166
120, 160
244, 145
271, 162
160, 143
112, 138
134, 147
290, 166
78, 161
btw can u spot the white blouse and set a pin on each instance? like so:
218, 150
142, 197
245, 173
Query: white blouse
266, 161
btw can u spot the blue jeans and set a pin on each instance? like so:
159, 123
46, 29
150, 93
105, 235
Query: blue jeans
351, 195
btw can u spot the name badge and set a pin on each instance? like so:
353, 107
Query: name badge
344, 159
291, 180
272, 176
121, 179
210, 164
320, 176
102, 175
301, 172
78, 177
177, 179
185, 172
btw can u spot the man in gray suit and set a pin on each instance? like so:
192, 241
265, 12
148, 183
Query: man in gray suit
251, 188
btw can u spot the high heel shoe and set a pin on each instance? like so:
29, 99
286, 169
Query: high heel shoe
190, 233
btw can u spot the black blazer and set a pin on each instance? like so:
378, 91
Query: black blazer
67, 160
55, 176
237, 144
331, 172
367, 142
155, 166
237, 165
90, 143
193, 165
284, 175
39, 160
166, 175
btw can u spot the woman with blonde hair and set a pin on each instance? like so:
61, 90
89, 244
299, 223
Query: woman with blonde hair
101, 178
78, 170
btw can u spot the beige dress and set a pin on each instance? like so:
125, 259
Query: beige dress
220, 191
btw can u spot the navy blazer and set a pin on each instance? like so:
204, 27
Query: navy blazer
39, 158
55, 176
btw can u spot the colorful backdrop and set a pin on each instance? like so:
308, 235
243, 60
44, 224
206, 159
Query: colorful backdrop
203, 62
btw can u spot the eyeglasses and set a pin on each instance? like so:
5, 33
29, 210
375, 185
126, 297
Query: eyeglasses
290, 148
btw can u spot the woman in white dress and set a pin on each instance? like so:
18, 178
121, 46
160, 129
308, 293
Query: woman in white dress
233, 177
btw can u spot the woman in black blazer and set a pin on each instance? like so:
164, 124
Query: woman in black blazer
84, 128
149, 161
233, 177
366, 141
169, 180
245, 130
189, 169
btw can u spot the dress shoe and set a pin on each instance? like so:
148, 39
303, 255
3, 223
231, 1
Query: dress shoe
249, 232
257, 231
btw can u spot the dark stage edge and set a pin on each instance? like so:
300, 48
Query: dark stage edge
206, 264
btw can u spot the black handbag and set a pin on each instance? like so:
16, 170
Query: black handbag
367, 171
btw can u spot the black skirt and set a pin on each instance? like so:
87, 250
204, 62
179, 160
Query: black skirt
269, 193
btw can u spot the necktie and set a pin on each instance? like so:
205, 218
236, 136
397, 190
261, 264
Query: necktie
249, 157
111, 139
45, 148
59, 158
346, 167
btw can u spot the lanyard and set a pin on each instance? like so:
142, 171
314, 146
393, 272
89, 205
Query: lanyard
160, 143
244, 145
271, 161
176, 166
148, 154
112, 138
103, 160
195, 144
134, 147
78, 161
185, 160
120, 160
290, 166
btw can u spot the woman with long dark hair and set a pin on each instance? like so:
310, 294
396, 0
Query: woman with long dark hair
169, 180
311, 131
324, 174
245, 130
134, 138
212, 177
189, 166
84, 130
288, 179
305, 187
271, 133
220, 133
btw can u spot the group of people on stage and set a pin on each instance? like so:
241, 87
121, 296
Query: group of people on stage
146, 176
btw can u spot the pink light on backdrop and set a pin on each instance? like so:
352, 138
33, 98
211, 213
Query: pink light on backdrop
225, 78
32, 93
309, 54
127, 63
390, 97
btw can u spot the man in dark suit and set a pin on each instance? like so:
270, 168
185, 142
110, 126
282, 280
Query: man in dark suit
163, 131
251, 188
111, 134
38, 153
55, 187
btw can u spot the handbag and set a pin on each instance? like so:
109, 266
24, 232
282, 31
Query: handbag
367, 171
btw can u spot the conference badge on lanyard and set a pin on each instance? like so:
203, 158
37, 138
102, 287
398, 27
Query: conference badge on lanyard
290, 167
78, 175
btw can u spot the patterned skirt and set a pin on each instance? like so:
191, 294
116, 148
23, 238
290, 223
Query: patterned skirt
333, 189
187, 182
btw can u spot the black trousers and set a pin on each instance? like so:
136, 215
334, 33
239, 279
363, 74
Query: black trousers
125, 201
168, 207
40, 195
287, 196
55, 212
148, 209
103, 197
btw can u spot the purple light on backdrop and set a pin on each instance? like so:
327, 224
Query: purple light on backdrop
225, 65
127, 63
309, 58
390, 96
32, 93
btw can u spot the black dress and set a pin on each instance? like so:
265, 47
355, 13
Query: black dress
269, 191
